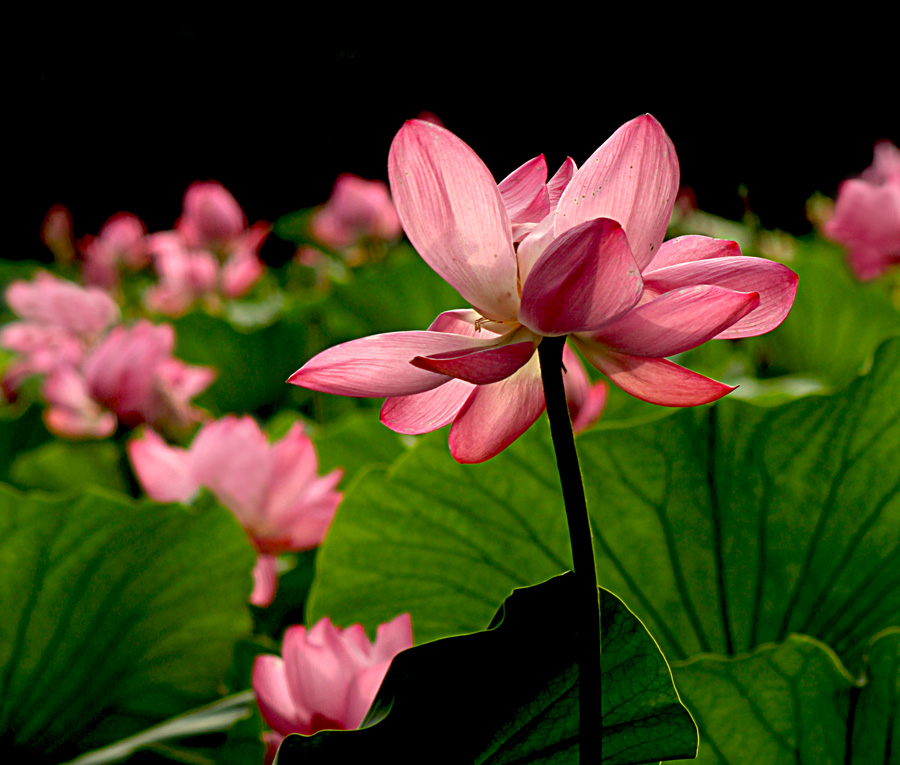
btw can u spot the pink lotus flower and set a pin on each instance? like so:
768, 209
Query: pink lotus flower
210, 254
274, 491
358, 209
581, 255
328, 678
867, 215
122, 241
61, 320
132, 374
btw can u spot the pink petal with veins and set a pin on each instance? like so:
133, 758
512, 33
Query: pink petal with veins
583, 280
379, 365
687, 249
453, 214
424, 412
481, 366
676, 321
557, 184
633, 179
657, 381
496, 415
776, 285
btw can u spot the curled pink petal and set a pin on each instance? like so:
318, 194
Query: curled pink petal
481, 366
657, 381
265, 581
379, 365
677, 321
557, 184
278, 707
584, 279
524, 192
687, 249
424, 412
453, 214
776, 285
496, 415
632, 179
586, 400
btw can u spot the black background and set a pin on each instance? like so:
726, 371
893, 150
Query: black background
123, 116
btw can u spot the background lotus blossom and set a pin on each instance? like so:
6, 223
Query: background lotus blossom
60, 322
211, 252
121, 241
273, 490
866, 216
581, 254
327, 678
357, 209
132, 374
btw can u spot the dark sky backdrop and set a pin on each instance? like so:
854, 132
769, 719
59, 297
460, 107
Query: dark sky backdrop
125, 120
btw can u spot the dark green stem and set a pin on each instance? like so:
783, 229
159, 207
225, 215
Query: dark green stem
589, 689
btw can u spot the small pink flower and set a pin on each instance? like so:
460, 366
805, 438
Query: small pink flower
328, 677
866, 216
274, 491
133, 374
122, 241
580, 255
210, 254
61, 321
358, 209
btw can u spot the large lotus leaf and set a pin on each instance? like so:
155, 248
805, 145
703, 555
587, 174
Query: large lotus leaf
116, 615
19, 432
794, 702
63, 465
510, 694
722, 527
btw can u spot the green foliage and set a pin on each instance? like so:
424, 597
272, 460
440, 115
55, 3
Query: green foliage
63, 465
116, 615
516, 685
794, 702
706, 522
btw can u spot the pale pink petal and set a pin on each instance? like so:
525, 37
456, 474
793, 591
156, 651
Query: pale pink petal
51, 301
424, 412
481, 366
72, 411
454, 216
265, 580
586, 400
557, 184
676, 321
525, 195
379, 365
775, 283
633, 179
585, 279
231, 457
687, 249
393, 637
240, 273
533, 246
319, 671
496, 415
658, 381
278, 707
362, 692
211, 215
164, 472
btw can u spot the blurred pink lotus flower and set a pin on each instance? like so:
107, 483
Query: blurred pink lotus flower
581, 255
57, 233
122, 241
209, 255
358, 209
274, 491
61, 320
327, 678
132, 374
866, 216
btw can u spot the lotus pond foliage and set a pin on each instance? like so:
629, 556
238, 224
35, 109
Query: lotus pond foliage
203, 563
